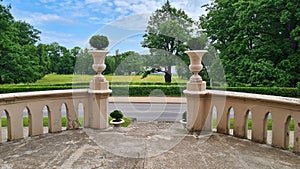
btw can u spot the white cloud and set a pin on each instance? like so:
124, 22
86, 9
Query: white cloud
95, 1
65, 39
40, 19
47, 1
132, 22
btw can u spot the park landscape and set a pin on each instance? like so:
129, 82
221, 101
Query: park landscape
251, 48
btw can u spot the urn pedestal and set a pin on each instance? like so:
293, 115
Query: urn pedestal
99, 92
198, 117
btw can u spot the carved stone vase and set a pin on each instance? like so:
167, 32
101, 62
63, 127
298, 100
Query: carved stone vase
196, 83
99, 66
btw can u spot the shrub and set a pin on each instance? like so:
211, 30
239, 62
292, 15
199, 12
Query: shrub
99, 42
117, 115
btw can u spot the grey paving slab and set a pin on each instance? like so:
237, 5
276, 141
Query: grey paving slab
142, 145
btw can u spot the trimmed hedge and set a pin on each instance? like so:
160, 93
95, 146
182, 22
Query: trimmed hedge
140, 90
145, 89
30, 88
277, 91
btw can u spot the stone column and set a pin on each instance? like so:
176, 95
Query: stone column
198, 100
99, 92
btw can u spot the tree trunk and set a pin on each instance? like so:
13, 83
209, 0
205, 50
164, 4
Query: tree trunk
168, 74
1, 79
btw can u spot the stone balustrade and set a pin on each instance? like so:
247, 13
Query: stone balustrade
94, 105
281, 109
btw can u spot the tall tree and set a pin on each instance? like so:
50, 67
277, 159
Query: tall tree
167, 33
84, 62
131, 62
256, 35
18, 55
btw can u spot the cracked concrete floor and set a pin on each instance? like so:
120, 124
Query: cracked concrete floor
144, 145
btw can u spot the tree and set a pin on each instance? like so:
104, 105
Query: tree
132, 62
19, 61
84, 62
44, 59
249, 31
99, 42
167, 33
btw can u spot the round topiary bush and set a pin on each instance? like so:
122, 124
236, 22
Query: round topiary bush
99, 42
117, 115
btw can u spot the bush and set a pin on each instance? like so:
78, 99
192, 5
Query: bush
117, 115
277, 91
140, 90
153, 89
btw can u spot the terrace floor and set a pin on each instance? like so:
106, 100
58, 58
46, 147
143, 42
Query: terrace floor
142, 145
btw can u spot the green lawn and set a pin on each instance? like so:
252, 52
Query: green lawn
52, 79
250, 124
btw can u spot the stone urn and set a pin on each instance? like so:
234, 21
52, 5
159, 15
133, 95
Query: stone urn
99, 65
195, 64
99, 82
196, 83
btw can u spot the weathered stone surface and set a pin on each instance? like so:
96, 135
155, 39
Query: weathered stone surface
87, 148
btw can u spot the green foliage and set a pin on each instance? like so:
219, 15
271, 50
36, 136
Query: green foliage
135, 86
84, 62
60, 58
128, 63
99, 42
117, 115
167, 32
19, 60
258, 40
277, 91
24, 61
153, 90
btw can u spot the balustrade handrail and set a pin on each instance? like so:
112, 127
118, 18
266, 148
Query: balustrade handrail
19, 95
256, 97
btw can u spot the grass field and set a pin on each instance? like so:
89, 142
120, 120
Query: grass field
53, 79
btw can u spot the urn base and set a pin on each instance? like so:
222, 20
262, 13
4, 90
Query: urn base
196, 86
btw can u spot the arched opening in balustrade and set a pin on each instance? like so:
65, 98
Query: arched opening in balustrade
248, 124
46, 119
5, 126
64, 115
289, 136
26, 122
80, 115
214, 118
267, 134
230, 121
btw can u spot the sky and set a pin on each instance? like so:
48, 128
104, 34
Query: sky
72, 22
